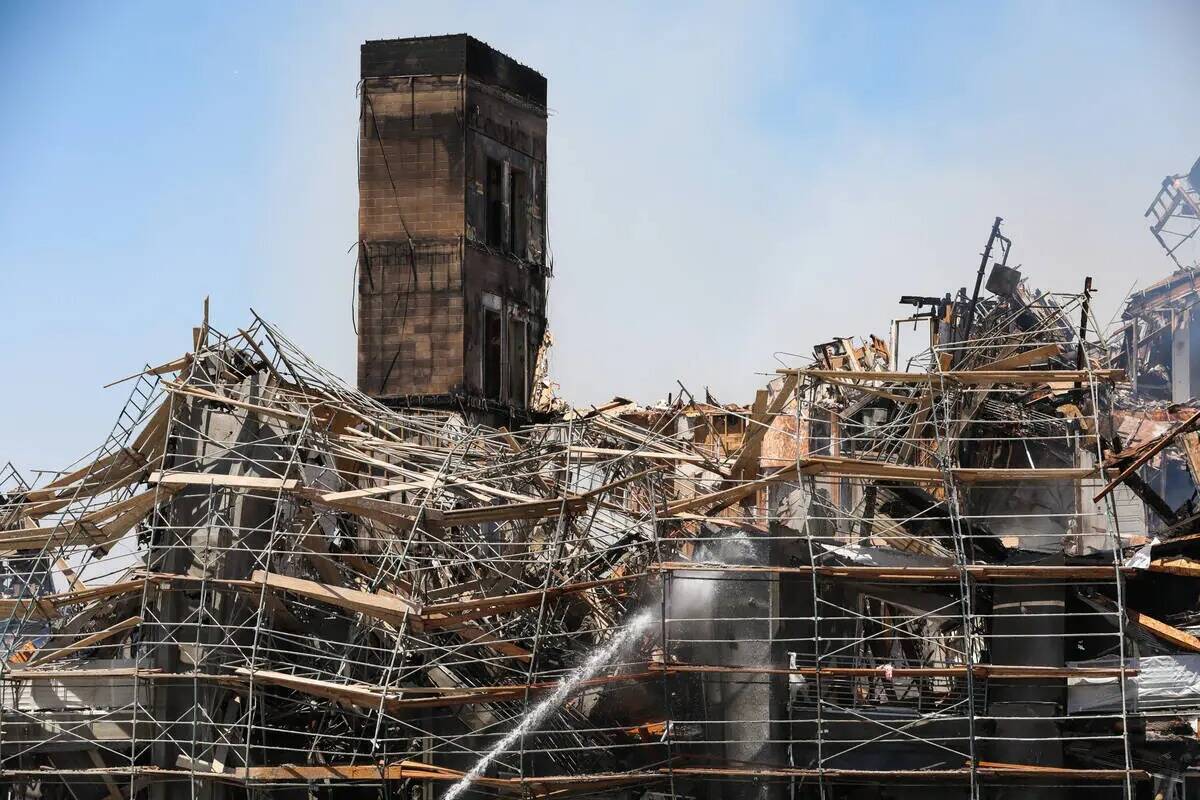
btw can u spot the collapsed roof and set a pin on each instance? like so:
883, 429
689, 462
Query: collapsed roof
945, 572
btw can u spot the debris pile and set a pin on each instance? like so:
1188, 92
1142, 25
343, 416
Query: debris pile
959, 572
264, 577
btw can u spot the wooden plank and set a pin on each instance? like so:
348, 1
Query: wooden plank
836, 466
759, 424
751, 449
114, 791
537, 509
1188, 567
999, 474
1191, 449
725, 497
356, 695
225, 481
656, 455
383, 511
86, 530
871, 390
48, 606
557, 785
152, 439
86, 642
396, 770
1023, 359
480, 695
1148, 453
174, 365
266, 411
75, 674
74, 582
487, 606
373, 697
94, 469
1169, 633
474, 635
108, 478
387, 607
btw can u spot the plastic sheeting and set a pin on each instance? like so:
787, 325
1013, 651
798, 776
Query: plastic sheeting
1170, 682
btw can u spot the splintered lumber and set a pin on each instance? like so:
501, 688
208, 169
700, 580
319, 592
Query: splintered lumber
385, 607
86, 642
760, 422
450, 613
1023, 359
1150, 451
388, 513
203, 394
49, 606
601, 453
473, 634
1169, 633
1188, 567
348, 694
537, 509
119, 519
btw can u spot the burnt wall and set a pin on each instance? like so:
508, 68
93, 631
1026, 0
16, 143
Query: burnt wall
454, 54
411, 318
452, 223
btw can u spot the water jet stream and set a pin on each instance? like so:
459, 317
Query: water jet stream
538, 713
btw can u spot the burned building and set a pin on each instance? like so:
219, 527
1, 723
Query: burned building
870, 582
453, 257
971, 572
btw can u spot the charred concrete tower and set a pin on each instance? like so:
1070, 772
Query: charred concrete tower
452, 226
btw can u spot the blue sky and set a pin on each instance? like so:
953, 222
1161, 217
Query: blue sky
725, 181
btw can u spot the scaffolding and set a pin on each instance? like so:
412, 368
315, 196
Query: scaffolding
265, 583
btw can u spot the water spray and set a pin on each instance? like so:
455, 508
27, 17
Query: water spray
538, 713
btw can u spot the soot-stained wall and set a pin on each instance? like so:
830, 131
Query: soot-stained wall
452, 224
